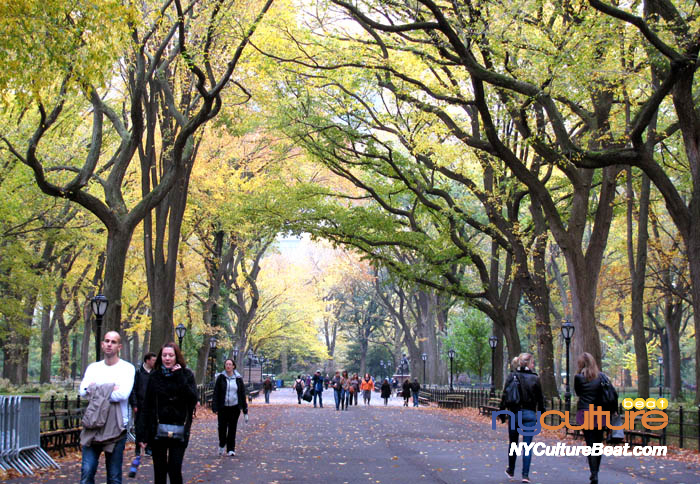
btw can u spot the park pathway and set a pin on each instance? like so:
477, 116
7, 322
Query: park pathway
290, 443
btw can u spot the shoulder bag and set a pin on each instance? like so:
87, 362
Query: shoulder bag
169, 431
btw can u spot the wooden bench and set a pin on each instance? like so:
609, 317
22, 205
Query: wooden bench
423, 398
63, 429
493, 405
252, 394
452, 400
644, 435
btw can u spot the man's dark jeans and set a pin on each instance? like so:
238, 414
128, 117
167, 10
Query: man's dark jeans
113, 462
320, 398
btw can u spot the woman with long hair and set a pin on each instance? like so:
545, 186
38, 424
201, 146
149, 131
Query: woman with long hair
171, 397
386, 391
587, 385
354, 388
345, 390
228, 402
531, 400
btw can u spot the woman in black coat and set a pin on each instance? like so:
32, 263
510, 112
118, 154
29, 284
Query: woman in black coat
171, 397
386, 391
587, 385
228, 402
406, 391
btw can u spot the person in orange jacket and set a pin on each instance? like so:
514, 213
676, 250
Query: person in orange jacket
366, 386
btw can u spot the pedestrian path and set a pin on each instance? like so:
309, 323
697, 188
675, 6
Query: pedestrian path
285, 442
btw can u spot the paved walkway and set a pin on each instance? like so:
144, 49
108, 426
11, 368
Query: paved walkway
290, 443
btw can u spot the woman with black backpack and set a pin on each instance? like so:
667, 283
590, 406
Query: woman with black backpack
522, 392
593, 387
299, 388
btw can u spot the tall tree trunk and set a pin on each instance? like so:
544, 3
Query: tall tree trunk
637, 265
46, 343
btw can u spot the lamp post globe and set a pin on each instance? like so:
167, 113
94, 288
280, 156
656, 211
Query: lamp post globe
212, 354
99, 305
493, 342
567, 331
180, 331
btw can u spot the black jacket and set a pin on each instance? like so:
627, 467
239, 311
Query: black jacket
406, 389
587, 391
219, 397
531, 396
415, 387
386, 390
170, 399
138, 393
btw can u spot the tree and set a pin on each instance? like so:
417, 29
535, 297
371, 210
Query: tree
468, 335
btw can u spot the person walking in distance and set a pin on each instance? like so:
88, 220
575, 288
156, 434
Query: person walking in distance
354, 388
299, 388
345, 392
138, 394
317, 382
267, 389
588, 388
107, 384
415, 389
531, 401
337, 389
386, 391
367, 385
406, 391
228, 402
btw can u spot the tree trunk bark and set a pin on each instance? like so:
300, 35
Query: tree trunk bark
637, 265
46, 344
118, 241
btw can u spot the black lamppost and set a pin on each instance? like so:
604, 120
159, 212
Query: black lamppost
567, 331
493, 342
212, 355
99, 305
262, 360
251, 355
381, 365
424, 357
180, 331
661, 376
451, 354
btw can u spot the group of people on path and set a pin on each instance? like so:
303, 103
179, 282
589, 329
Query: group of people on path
588, 386
163, 396
346, 389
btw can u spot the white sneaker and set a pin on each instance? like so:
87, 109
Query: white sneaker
222, 450
230, 452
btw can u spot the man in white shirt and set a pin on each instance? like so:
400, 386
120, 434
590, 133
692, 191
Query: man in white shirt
110, 370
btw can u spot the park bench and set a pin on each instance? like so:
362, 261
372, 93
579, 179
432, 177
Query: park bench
452, 400
63, 429
632, 436
423, 398
252, 394
493, 405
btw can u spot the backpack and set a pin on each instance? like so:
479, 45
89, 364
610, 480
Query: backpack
298, 386
608, 394
511, 393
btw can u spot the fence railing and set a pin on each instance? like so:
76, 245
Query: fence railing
20, 444
683, 428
